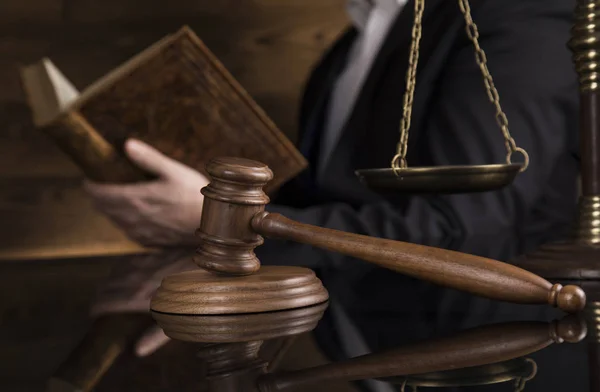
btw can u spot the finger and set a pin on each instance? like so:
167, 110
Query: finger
150, 159
151, 341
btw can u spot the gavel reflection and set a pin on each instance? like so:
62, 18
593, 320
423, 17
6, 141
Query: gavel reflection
472, 348
491, 352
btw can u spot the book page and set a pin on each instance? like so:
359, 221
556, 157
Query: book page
48, 91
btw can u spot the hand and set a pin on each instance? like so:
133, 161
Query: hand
131, 285
162, 212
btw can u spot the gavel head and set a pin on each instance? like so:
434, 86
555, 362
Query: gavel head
233, 197
231, 280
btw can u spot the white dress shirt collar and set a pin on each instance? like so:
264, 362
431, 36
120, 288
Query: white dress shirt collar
359, 10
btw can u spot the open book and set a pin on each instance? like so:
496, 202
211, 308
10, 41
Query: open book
175, 95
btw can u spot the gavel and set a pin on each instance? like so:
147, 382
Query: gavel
231, 280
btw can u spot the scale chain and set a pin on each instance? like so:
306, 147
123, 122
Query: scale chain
492, 92
399, 160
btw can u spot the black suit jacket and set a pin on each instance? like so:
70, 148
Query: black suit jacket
453, 123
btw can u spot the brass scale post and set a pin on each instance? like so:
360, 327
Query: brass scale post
577, 258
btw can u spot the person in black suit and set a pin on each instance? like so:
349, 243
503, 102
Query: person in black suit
349, 120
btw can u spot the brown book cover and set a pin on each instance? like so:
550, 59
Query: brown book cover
175, 95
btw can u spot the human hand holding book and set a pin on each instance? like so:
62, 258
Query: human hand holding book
177, 97
162, 212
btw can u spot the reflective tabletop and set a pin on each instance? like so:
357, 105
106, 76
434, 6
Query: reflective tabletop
397, 334
254, 353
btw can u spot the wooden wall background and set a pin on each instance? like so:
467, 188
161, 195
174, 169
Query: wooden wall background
268, 45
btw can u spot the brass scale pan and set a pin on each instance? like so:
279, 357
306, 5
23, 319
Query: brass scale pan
441, 179
445, 179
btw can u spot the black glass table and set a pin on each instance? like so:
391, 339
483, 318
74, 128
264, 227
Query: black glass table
252, 353
379, 332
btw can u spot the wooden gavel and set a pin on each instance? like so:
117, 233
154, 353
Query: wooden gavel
234, 220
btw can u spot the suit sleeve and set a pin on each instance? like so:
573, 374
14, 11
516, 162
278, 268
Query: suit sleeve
532, 69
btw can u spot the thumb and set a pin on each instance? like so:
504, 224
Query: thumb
151, 340
149, 158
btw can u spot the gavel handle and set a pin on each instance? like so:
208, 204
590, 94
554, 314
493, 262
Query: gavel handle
476, 275
475, 347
